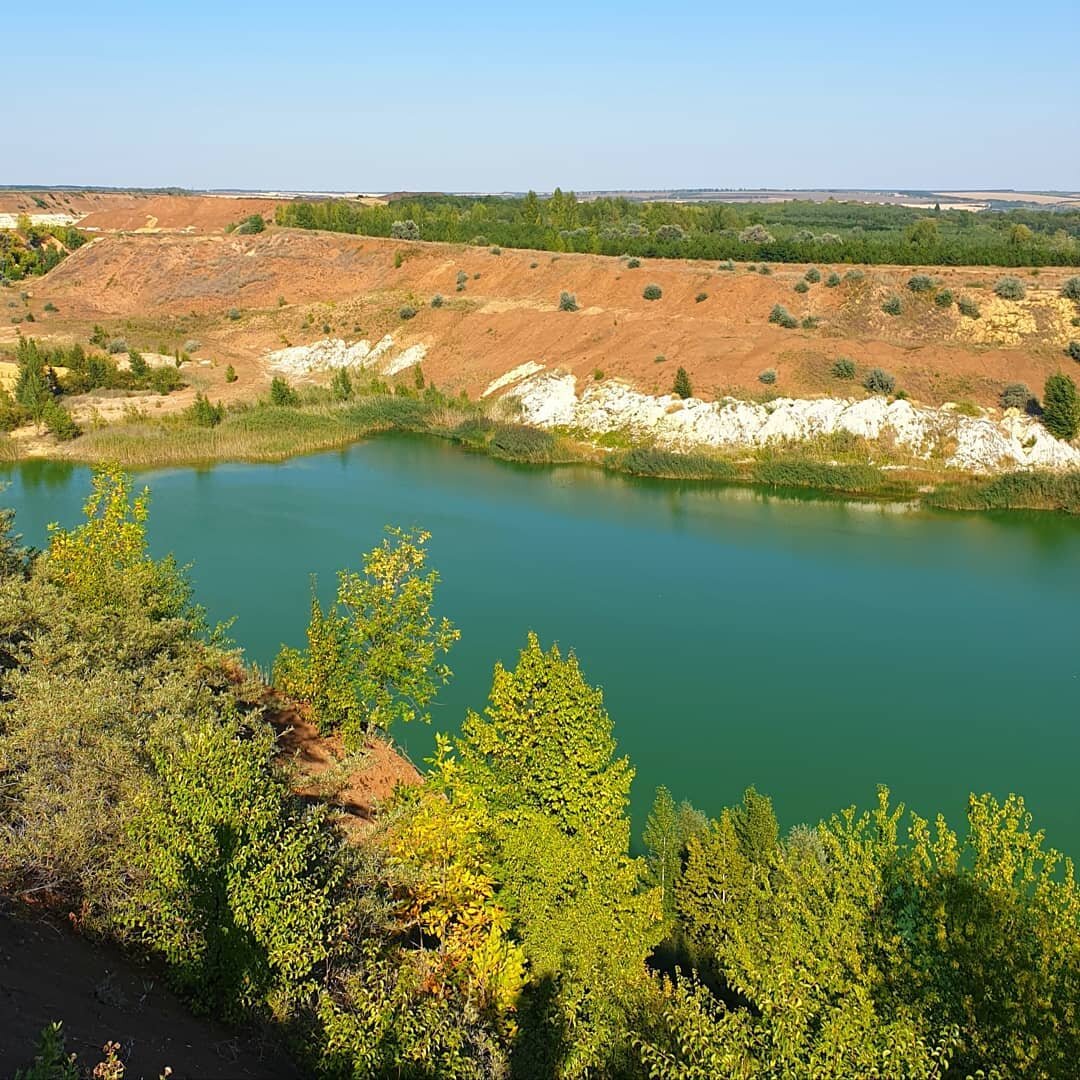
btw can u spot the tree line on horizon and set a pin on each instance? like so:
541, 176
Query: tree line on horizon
798, 231
493, 922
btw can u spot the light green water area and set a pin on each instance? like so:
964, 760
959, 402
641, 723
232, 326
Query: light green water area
811, 647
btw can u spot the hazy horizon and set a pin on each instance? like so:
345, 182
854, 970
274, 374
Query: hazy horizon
479, 97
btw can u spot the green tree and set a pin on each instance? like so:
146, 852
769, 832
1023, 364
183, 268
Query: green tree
1061, 407
682, 387
341, 387
281, 393
373, 657
34, 385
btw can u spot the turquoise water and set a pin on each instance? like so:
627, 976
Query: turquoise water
813, 648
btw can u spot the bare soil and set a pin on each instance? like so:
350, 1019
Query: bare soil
48, 973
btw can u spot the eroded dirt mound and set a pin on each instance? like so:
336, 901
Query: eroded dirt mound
190, 213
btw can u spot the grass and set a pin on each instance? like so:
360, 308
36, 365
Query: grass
1011, 491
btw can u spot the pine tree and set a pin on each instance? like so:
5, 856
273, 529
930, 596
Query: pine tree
1061, 407
682, 386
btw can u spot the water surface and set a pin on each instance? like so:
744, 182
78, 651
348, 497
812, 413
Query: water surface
811, 647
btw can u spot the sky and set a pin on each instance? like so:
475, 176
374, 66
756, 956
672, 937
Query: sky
466, 96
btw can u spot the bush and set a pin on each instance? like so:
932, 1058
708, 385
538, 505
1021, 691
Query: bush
1017, 396
51, 307
1073, 350
892, 306
567, 301
117, 345
700, 297
407, 312
405, 230
944, 298
854, 275
652, 292
801, 287
437, 300
164, 380
192, 345
810, 322
659, 358
230, 374
1061, 407
29, 317
533, 265
832, 280
682, 387
920, 283
755, 234
496, 251
632, 264
782, 317
59, 422
204, 414
233, 313
968, 307
665, 463
768, 376
813, 275
341, 387
764, 270
667, 233
137, 365
843, 368
1010, 288
598, 375
879, 382
729, 266
1071, 289
281, 393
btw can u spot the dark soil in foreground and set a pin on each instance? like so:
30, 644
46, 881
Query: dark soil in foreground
48, 973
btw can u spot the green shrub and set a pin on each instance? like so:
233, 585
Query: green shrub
117, 345
234, 314
728, 266
29, 317
682, 387
768, 376
407, 312
843, 368
920, 283
1010, 288
832, 280
1073, 350
1017, 396
51, 307
281, 393
230, 374
652, 292
437, 300
879, 382
943, 298
533, 265
405, 230
341, 387
801, 287
204, 414
461, 278
164, 380
659, 358
496, 251
700, 297
254, 223
598, 375
632, 264
643, 461
516, 442
567, 301
1061, 407
782, 317
764, 270
59, 422
855, 275
1071, 289
51, 1058
137, 364
968, 307
810, 322
813, 275
892, 306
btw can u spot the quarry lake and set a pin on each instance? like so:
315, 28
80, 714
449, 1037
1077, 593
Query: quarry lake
813, 648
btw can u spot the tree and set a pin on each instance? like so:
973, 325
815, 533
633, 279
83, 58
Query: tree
341, 387
682, 387
372, 657
1061, 407
281, 393
34, 386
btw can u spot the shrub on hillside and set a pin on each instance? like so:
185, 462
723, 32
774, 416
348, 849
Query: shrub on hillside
567, 301
810, 322
854, 275
892, 306
1010, 288
764, 270
669, 233
652, 292
1061, 407
203, 413
1073, 350
968, 307
878, 381
254, 223
230, 374
813, 275
407, 312
701, 296
728, 265
1017, 396
1071, 289
832, 280
944, 298
164, 380
281, 393
801, 287
768, 376
632, 264
192, 345
234, 314
137, 364
782, 317
118, 345
496, 251
755, 234
843, 368
437, 300
405, 230
59, 422
682, 387
920, 283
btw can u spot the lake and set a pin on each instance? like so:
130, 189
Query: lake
812, 647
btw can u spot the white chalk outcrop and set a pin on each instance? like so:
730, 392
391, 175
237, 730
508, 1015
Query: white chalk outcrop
983, 445
331, 353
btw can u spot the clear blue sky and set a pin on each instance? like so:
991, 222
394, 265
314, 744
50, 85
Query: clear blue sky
480, 96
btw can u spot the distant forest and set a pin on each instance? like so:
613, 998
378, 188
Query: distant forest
797, 231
